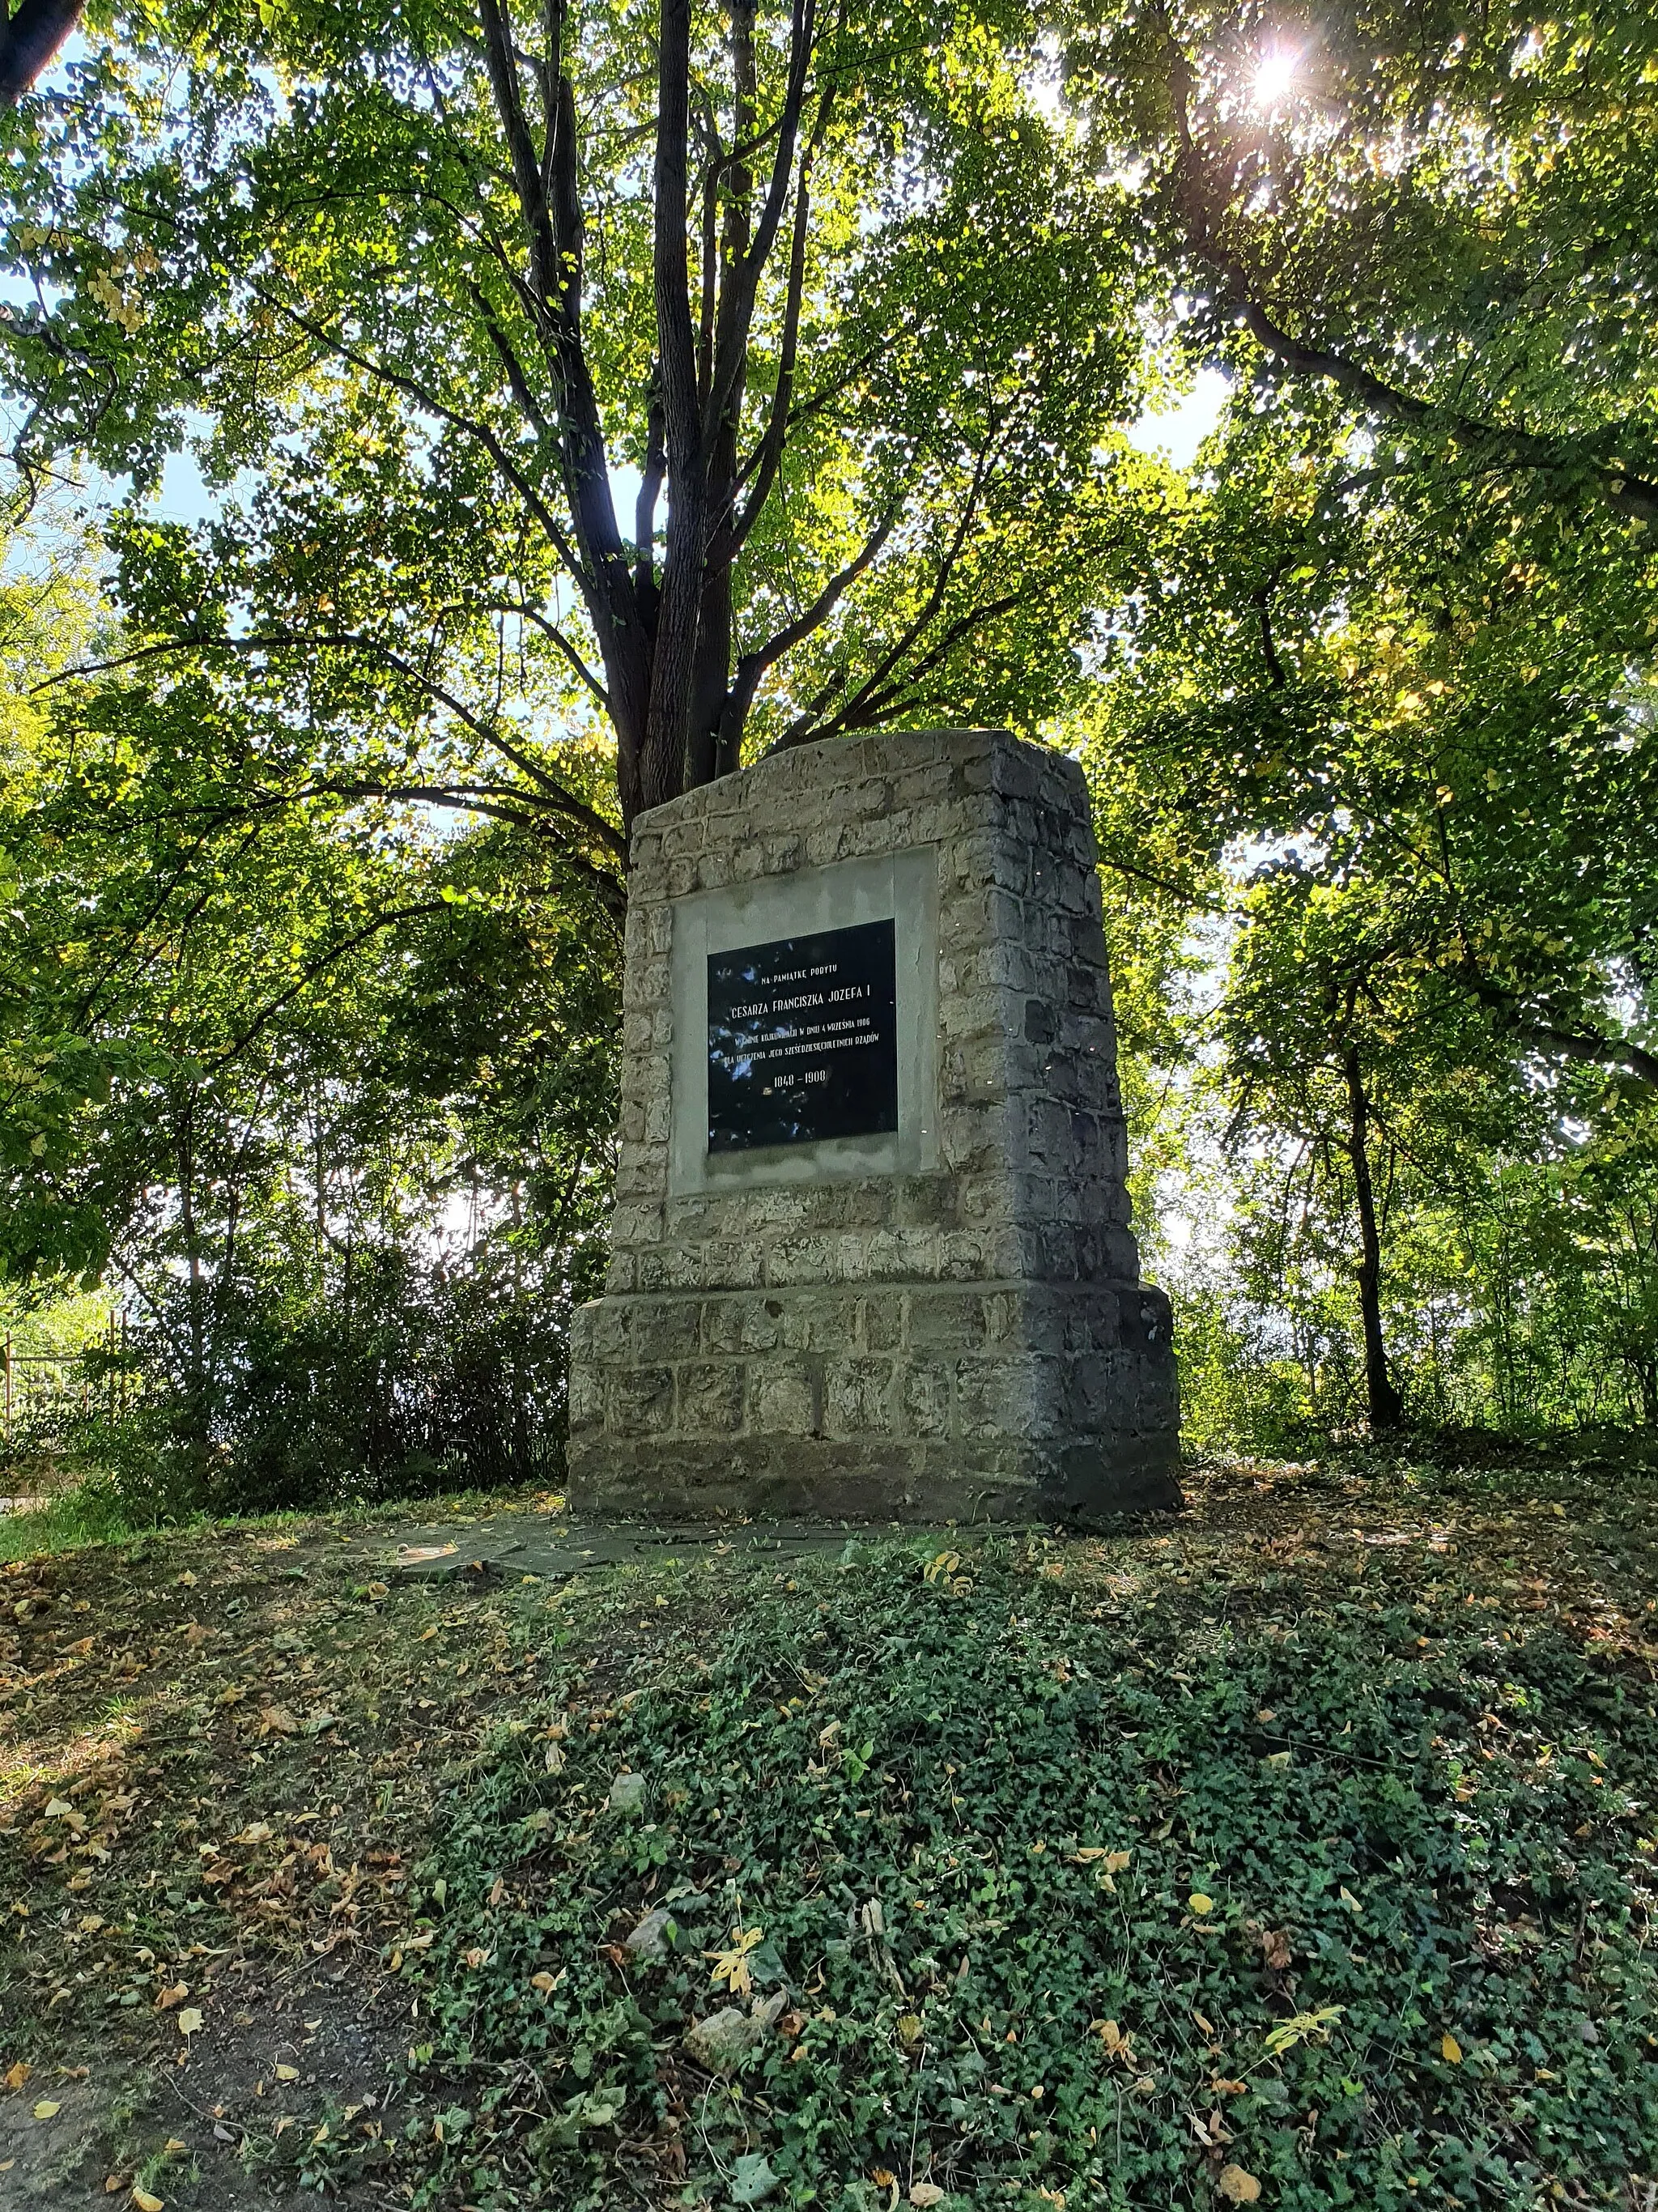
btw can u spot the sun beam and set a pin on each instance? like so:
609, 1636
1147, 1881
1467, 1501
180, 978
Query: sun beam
1274, 75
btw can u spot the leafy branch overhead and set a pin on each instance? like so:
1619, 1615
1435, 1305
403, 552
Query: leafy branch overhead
709, 380
1450, 227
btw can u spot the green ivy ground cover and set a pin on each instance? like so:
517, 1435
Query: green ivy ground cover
1080, 1876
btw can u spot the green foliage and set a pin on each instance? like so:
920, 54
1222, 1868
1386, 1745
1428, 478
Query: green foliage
351, 1148
1371, 1927
452, 287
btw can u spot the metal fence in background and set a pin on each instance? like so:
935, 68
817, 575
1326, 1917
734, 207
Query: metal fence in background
44, 1392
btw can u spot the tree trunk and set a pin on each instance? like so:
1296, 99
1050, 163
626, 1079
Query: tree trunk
1386, 1408
195, 1407
29, 40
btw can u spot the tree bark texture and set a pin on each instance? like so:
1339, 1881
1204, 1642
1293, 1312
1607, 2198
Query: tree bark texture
30, 41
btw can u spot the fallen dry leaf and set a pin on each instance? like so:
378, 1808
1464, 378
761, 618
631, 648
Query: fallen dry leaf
1200, 1904
15, 2076
1451, 2049
47, 2109
190, 2021
925, 2193
287, 2073
145, 2202
1237, 2186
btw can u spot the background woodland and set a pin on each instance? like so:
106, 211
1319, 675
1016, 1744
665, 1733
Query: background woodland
580, 406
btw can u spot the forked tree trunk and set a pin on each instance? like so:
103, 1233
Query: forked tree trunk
1386, 1407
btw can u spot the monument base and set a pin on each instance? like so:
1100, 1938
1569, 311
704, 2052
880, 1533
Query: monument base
974, 1401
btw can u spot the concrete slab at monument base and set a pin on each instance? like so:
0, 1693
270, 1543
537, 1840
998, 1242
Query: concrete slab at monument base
870, 1255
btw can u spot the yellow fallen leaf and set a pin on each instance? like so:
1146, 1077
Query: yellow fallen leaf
1200, 1904
145, 2202
59, 1810
287, 2073
924, 2193
1237, 2186
47, 2109
173, 2145
190, 2021
543, 1982
1451, 2049
426, 1636
175, 1993
15, 2076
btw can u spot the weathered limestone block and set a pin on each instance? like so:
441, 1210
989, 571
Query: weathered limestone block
938, 1319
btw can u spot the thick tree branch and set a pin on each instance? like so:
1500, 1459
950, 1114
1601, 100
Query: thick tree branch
30, 41
552, 793
849, 715
660, 771
741, 283
1201, 204
752, 667
549, 205
1590, 1047
876, 704
768, 457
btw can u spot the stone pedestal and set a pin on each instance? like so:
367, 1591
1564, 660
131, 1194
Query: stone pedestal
941, 1319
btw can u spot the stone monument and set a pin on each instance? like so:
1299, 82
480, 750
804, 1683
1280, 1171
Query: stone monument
870, 1251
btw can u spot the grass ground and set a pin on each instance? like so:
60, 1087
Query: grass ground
1299, 1852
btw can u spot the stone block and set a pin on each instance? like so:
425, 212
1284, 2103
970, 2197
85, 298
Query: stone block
880, 1321
783, 1398
924, 1394
709, 1399
946, 1320
639, 1400
857, 1398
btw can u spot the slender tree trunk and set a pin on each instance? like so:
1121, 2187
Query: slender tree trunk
1386, 1408
195, 1394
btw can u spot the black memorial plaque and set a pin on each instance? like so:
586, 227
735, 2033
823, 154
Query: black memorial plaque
803, 1039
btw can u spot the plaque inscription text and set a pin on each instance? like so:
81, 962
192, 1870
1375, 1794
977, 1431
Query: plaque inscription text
803, 1039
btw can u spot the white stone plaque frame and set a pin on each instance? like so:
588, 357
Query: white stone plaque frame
902, 887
